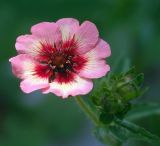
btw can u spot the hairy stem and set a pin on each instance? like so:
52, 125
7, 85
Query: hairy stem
148, 136
87, 110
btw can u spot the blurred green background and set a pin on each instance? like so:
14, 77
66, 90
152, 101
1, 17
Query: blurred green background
131, 27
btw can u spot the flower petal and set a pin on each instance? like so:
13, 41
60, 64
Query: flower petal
86, 37
101, 50
68, 27
79, 86
47, 31
94, 67
33, 83
28, 44
22, 65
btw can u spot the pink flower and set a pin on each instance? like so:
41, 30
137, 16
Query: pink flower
60, 57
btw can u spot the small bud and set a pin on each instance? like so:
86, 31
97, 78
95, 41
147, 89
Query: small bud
129, 85
113, 100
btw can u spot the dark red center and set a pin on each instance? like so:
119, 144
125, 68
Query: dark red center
59, 63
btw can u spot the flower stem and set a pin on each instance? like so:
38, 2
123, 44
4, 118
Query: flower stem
148, 136
87, 110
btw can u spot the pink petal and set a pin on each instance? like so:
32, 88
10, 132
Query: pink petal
22, 65
68, 27
33, 83
27, 44
86, 36
47, 31
94, 67
79, 86
101, 50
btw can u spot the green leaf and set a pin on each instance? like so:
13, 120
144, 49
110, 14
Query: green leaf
143, 110
119, 132
104, 135
124, 130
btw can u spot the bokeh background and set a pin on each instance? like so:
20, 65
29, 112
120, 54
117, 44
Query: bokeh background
132, 28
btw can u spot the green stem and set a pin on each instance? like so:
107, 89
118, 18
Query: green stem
138, 130
87, 110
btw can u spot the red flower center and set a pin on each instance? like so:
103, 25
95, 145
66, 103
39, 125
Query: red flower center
59, 63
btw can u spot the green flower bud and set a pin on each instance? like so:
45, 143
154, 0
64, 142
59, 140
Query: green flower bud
129, 85
113, 98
